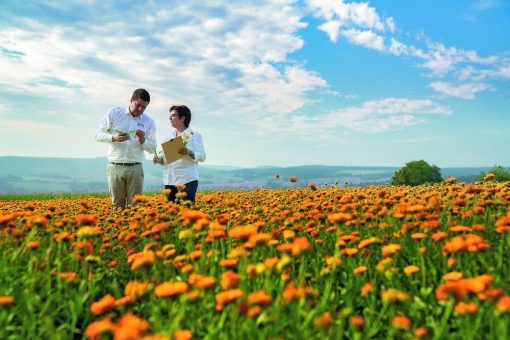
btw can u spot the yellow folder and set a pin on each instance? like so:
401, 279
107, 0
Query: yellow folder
171, 149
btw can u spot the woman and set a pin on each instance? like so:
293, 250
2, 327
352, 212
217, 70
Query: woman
184, 171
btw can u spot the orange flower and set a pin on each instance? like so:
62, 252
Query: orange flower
6, 300
229, 280
106, 303
418, 236
368, 242
130, 326
66, 276
339, 217
88, 231
293, 178
503, 304
323, 320
259, 298
201, 281
243, 232
297, 246
357, 321
33, 244
457, 288
228, 296
7, 220
85, 219
125, 300
410, 270
141, 259
367, 288
400, 321
450, 180
466, 308
63, 236
439, 235
254, 311
349, 251
135, 288
490, 294
390, 249
459, 229
393, 295
193, 215
452, 276
420, 332
37, 221
95, 328
360, 270
228, 262
182, 334
168, 289
292, 292
489, 176
451, 262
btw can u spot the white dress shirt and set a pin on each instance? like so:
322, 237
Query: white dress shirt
184, 170
118, 120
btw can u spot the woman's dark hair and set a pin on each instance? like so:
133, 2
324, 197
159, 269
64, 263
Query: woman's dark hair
141, 94
182, 111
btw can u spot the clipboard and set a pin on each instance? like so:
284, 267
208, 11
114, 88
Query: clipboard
171, 148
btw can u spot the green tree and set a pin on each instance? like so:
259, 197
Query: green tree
416, 173
500, 174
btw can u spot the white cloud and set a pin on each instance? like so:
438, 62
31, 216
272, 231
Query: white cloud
216, 56
483, 5
385, 114
332, 28
360, 24
357, 16
365, 38
463, 91
397, 48
372, 116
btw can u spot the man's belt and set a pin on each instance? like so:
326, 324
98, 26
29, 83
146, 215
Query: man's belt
125, 164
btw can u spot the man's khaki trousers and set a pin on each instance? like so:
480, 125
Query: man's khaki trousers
124, 182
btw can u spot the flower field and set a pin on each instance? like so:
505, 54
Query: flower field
304, 263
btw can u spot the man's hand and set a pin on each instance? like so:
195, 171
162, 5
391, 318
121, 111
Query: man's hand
141, 136
157, 160
120, 137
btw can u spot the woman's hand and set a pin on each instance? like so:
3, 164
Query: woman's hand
186, 151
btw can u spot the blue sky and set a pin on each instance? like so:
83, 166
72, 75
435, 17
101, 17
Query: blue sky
278, 82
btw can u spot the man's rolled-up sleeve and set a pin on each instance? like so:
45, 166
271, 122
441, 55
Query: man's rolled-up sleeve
103, 134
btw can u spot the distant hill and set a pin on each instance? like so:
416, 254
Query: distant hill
44, 174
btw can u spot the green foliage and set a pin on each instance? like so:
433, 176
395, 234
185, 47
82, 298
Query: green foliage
416, 173
500, 174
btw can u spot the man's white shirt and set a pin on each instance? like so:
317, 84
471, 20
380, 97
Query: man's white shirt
119, 119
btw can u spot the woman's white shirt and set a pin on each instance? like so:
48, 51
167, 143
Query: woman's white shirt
185, 170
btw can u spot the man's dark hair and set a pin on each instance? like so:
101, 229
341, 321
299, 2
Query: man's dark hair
141, 94
182, 111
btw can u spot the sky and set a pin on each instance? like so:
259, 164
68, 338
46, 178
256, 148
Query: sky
283, 83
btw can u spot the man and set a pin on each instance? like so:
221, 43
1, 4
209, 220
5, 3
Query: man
129, 132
